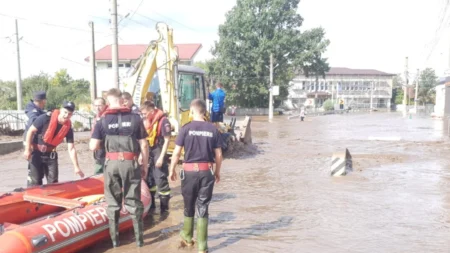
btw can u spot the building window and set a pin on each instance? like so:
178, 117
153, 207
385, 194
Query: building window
109, 65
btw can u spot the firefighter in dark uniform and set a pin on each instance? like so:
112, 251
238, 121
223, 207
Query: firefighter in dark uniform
34, 109
202, 144
51, 129
99, 155
158, 129
124, 136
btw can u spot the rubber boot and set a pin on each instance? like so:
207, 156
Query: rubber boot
202, 235
164, 201
187, 232
114, 233
139, 232
153, 206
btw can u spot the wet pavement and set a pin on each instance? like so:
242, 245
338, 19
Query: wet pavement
277, 195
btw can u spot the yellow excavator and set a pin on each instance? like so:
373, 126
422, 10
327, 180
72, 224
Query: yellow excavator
157, 76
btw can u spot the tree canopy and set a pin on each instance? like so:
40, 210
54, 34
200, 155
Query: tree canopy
253, 30
427, 83
59, 87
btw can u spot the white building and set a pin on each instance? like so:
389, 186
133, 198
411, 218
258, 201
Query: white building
358, 88
128, 56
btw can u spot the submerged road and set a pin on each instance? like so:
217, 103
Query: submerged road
277, 195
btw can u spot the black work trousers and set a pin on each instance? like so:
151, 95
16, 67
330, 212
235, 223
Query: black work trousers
197, 189
157, 178
40, 165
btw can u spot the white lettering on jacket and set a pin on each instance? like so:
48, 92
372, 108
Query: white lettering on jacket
116, 125
76, 223
200, 133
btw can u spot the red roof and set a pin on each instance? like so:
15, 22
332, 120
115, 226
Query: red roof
133, 52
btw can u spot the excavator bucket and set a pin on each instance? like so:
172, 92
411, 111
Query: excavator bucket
242, 130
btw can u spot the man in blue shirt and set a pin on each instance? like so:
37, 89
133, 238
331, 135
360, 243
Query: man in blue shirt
218, 103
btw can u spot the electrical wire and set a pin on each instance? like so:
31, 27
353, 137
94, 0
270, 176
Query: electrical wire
131, 16
63, 58
48, 24
443, 18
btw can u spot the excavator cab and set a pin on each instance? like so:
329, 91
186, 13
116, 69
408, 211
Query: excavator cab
191, 85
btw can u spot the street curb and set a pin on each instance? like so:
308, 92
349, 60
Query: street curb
9, 147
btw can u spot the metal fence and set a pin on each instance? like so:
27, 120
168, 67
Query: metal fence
16, 120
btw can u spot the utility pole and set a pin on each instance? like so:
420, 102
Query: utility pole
19, 76
270, 91
417, 91
94, 75
405, 87
114, 47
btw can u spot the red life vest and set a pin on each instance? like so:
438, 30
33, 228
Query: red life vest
150, 122
49, 136
115, 110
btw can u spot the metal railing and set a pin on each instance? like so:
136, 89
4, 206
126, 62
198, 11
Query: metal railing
17, 120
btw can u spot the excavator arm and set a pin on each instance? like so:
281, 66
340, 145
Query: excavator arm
154, 76
158, 77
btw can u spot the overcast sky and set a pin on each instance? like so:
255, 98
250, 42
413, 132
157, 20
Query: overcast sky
363, 33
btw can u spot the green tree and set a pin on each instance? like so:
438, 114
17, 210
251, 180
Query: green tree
59, 87
427, 84
397, 94
328, 105
8, 99
252, 31
397, 81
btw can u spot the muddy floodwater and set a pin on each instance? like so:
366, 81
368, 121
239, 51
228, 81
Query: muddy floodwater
278, 196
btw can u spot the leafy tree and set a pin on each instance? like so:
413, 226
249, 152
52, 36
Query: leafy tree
7, 95
61, 78
397, 81
59, 87
397, 94
427, 84
252, 31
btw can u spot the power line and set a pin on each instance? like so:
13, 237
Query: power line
48, 24
156, 21
137, 8
177, 22
63, 58
438, 33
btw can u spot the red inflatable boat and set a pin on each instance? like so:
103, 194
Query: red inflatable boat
22, 205
82, 225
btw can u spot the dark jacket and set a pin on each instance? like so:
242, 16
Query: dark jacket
32, 111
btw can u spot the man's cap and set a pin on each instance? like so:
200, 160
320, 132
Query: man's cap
39, 95
69, 105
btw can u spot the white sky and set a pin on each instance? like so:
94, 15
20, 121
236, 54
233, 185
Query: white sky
363, 33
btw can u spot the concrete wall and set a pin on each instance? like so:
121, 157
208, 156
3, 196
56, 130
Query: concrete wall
252, 111
8, 147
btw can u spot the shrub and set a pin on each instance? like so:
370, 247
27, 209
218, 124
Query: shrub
328, 105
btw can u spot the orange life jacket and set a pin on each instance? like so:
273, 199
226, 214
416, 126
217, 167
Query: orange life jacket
49, 136
153, 126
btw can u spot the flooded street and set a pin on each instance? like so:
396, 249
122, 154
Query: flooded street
278, 195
